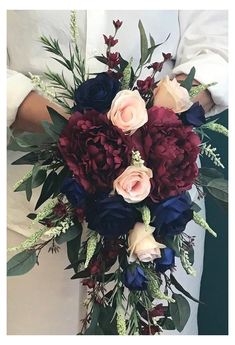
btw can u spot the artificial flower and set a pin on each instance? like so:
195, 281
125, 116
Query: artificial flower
96, 93
134, 183
142, 244
94, 151
128, 111
111, 216
169, 94
134, 278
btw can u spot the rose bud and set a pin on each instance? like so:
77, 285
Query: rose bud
110, 41
88, 282
167, 56
128, 111
134, 278
156, 66
169, 94
142, 244
134, 183
145, 85
117, 24
113, 59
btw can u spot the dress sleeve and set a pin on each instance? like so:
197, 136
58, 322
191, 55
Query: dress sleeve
18, 87
203, 44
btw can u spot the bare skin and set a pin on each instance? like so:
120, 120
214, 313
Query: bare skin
33, 109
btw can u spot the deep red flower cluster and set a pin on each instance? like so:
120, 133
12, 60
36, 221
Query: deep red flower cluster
170, 149
94, 150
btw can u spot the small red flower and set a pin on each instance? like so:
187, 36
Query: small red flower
156, 66
110, 41
60, 209
113, 59
117, 24
88, 282
145, 85
167, 56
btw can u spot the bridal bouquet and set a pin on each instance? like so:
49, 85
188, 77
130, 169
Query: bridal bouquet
115, 178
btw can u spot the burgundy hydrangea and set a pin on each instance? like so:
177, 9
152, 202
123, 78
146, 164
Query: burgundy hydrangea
170, 149
94, 150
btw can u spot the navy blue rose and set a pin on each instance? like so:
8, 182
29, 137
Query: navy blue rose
134, 278
75, 194
97, 93
166, 261
172, 215
111, 216
194, 116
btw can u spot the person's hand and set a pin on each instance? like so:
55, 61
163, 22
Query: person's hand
204, 98
32, 111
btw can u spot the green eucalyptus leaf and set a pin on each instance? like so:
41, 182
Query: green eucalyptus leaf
166, 323
47, 188
32, 216
102, 59
208, 174
60, 179
179, 311
38, 176
187, 83
173, 243
181, 289
29, 158
107, 321
21, 263
143, 43
73, 247
50, 129
218, 188
82, 274
70, 234
58, 120
28, 188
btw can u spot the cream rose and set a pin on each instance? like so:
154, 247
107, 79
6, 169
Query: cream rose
142, 244
134, 183
128, 111
169, 94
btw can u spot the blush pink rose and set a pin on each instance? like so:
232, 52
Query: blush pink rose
134, 183
142, 244
128, 111
169, 94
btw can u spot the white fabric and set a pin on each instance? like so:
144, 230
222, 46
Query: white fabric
16, 94
26, 54
204, 45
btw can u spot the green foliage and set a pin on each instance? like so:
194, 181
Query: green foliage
73, 232
107, 320
21, 263
214, 182
187, 83
143, 43
173, 243
181, 289
47, 189
28, 141
179, 311
58, 120
166, 323
73, 248
218, 188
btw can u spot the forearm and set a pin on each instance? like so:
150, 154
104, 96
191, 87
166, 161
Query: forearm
32, 111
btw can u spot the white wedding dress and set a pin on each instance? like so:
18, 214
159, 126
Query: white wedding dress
45, 301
